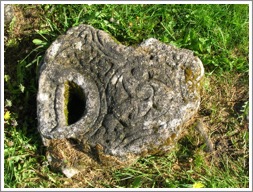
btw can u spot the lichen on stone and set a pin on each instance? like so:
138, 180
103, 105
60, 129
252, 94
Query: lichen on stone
118, 103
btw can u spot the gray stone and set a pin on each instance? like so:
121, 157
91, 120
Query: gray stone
117, 100
8, 13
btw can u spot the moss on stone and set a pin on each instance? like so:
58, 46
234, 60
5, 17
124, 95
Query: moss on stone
188, 74
66, 100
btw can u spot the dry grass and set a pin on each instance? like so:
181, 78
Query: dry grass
223, 97
219, 113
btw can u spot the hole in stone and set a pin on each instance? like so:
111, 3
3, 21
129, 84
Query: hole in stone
74, 102
150, 74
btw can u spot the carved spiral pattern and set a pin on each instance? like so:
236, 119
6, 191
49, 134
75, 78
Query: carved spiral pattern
137, 98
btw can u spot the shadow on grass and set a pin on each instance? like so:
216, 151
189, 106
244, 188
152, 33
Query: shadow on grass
21, 88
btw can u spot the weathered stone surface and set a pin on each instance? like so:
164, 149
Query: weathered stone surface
119, 101
8, 13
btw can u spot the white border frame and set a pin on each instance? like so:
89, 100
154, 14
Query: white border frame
127, 2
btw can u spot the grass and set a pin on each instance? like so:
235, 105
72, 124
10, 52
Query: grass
218, 34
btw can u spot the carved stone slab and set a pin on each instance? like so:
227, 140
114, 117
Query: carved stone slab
118, 100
